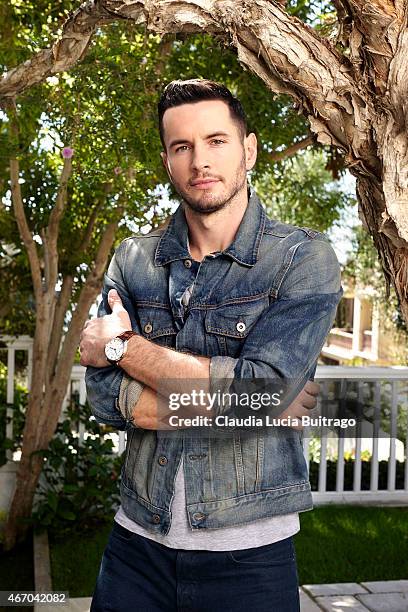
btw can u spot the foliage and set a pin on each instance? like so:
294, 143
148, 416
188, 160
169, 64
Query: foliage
107, 104
18, 407
331, 472
301, 191
364, 264
105, 108
79, 484
17, 311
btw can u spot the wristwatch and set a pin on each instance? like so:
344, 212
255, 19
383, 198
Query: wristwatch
116, 348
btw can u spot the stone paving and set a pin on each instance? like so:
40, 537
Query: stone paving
382, 596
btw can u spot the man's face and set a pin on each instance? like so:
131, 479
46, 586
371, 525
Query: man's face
206, 156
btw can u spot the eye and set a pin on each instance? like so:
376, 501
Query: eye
218, 141
182, 148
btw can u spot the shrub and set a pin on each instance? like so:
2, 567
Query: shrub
79, 484
348, 475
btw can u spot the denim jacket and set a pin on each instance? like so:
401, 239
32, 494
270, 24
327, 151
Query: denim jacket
262, 308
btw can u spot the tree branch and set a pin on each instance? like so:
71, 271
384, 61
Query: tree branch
87, 235
88, 294
372, 36
290, 55
45, 256
70, 48
52, 230
292, 149
58, 324
18, 206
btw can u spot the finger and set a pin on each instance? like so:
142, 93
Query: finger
312, 387
114, 301
308, 401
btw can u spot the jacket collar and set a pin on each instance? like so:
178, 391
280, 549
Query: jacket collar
244, 249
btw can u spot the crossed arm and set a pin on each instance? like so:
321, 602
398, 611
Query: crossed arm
152, 364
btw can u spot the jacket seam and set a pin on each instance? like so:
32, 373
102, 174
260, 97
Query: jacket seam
106, 417
149, 506
286, 266
302, 485
232, 301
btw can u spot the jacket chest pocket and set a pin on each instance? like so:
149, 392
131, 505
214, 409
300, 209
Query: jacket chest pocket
231, 324
157, 324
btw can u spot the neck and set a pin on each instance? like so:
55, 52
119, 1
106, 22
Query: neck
215, 232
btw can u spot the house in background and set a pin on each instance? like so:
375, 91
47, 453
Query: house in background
361, 333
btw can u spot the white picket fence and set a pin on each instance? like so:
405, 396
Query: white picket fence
383, 390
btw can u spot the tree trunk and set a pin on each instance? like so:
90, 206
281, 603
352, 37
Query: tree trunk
48, 392
354, 98
27, 477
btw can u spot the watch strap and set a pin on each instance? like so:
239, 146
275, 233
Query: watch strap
126, 335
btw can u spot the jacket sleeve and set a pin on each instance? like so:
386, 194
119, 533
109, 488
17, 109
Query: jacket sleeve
283, 346
111, 393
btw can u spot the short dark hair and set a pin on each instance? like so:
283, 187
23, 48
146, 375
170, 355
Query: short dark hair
179, 92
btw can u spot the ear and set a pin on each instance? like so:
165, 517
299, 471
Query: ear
165, 161
251, 150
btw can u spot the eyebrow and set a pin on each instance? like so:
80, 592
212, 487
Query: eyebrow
184, 140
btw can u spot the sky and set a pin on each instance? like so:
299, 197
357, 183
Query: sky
341, 236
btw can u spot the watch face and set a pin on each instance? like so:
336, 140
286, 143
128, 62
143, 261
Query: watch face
114, 349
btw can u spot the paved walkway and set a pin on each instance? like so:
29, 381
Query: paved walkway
387, 596
383, 596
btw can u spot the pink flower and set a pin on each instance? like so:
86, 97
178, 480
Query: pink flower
117, 170
67, 152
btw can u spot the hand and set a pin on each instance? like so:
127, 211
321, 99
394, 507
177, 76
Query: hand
97, 332
303, 403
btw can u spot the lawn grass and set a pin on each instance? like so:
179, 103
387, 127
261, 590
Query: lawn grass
352, 544
75, 560
335, 544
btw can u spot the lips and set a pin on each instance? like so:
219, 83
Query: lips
203, 182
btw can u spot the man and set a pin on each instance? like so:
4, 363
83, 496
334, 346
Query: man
221, 295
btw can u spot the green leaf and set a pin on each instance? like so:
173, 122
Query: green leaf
67, 514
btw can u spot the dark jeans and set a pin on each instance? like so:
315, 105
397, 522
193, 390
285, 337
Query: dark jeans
138, 574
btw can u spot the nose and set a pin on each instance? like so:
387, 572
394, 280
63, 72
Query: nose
199, 159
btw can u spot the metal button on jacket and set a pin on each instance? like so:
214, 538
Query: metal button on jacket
148, 328
187, 263
156, 518
240, 326
198, 516
162, 460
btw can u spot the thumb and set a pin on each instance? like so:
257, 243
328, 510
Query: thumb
114, 300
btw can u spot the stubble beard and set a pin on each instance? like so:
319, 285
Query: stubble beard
205, 205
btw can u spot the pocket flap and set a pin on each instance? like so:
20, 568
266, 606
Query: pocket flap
156, 321
234, 320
